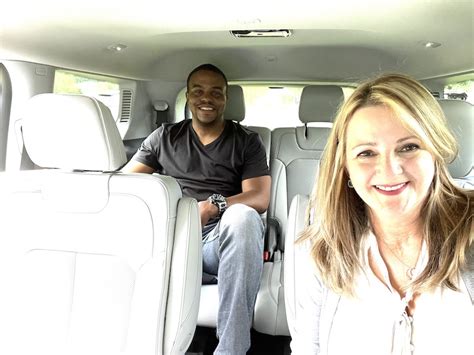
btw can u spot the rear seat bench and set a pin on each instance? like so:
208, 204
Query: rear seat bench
294, 160
294, 155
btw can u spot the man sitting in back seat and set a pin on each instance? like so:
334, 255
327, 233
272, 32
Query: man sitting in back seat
224, 167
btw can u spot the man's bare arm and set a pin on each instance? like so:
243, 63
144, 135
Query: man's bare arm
134, 166
255, 193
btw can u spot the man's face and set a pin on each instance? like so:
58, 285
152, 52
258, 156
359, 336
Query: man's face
206, 96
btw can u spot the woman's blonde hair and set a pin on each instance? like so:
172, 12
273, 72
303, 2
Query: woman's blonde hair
340, 216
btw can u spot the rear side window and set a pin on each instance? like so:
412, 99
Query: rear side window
100, 88
463, 90
266, 104
276, 105
271, 106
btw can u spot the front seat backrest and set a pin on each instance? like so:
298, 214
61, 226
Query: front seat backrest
93, 262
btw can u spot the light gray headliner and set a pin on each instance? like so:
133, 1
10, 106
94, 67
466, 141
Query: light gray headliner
337, 41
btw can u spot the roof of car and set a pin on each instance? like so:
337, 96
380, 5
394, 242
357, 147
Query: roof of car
330, 40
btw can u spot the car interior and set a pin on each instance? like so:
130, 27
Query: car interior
96, 261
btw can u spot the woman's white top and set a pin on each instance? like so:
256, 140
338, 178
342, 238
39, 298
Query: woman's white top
375, 321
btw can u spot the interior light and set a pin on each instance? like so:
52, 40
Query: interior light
260, 33
116, 47
431, 44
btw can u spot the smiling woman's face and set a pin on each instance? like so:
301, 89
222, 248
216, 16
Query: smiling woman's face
389, 167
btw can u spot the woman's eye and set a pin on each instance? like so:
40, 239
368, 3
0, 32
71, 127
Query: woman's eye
366, 154
409, 147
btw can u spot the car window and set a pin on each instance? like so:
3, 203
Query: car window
274, 105
100, 88
462, 90
271, 106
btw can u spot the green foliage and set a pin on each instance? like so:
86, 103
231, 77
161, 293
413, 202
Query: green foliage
462, 86
465, 88
66, 83
72, 83
108, 92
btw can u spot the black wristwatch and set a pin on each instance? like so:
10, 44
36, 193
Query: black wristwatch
219, 201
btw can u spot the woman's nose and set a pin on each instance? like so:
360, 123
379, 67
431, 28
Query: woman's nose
389, 165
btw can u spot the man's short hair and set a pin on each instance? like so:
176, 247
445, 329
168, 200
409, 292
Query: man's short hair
208, 67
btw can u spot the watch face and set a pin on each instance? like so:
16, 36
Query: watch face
219, 198
219, 201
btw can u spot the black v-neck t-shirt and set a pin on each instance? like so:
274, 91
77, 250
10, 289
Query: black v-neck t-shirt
201, 170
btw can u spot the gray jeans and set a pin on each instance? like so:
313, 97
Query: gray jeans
233, 251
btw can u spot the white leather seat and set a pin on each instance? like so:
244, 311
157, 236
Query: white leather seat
296, 152
93, 262
297, 258
460, 117
294, 161
235, 111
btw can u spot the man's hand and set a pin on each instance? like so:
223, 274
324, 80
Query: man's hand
207, 211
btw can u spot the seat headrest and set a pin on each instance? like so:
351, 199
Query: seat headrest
72, 132
460, 117
235, 107
319, 103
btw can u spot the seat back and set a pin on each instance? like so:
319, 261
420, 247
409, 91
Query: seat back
235, 111
460, 117
296, 152
297, 257
294, 162
235, 105
93, 262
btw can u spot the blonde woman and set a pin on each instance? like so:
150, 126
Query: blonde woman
390, 235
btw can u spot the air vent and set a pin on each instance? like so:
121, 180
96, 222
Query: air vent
126, 108
260, 33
